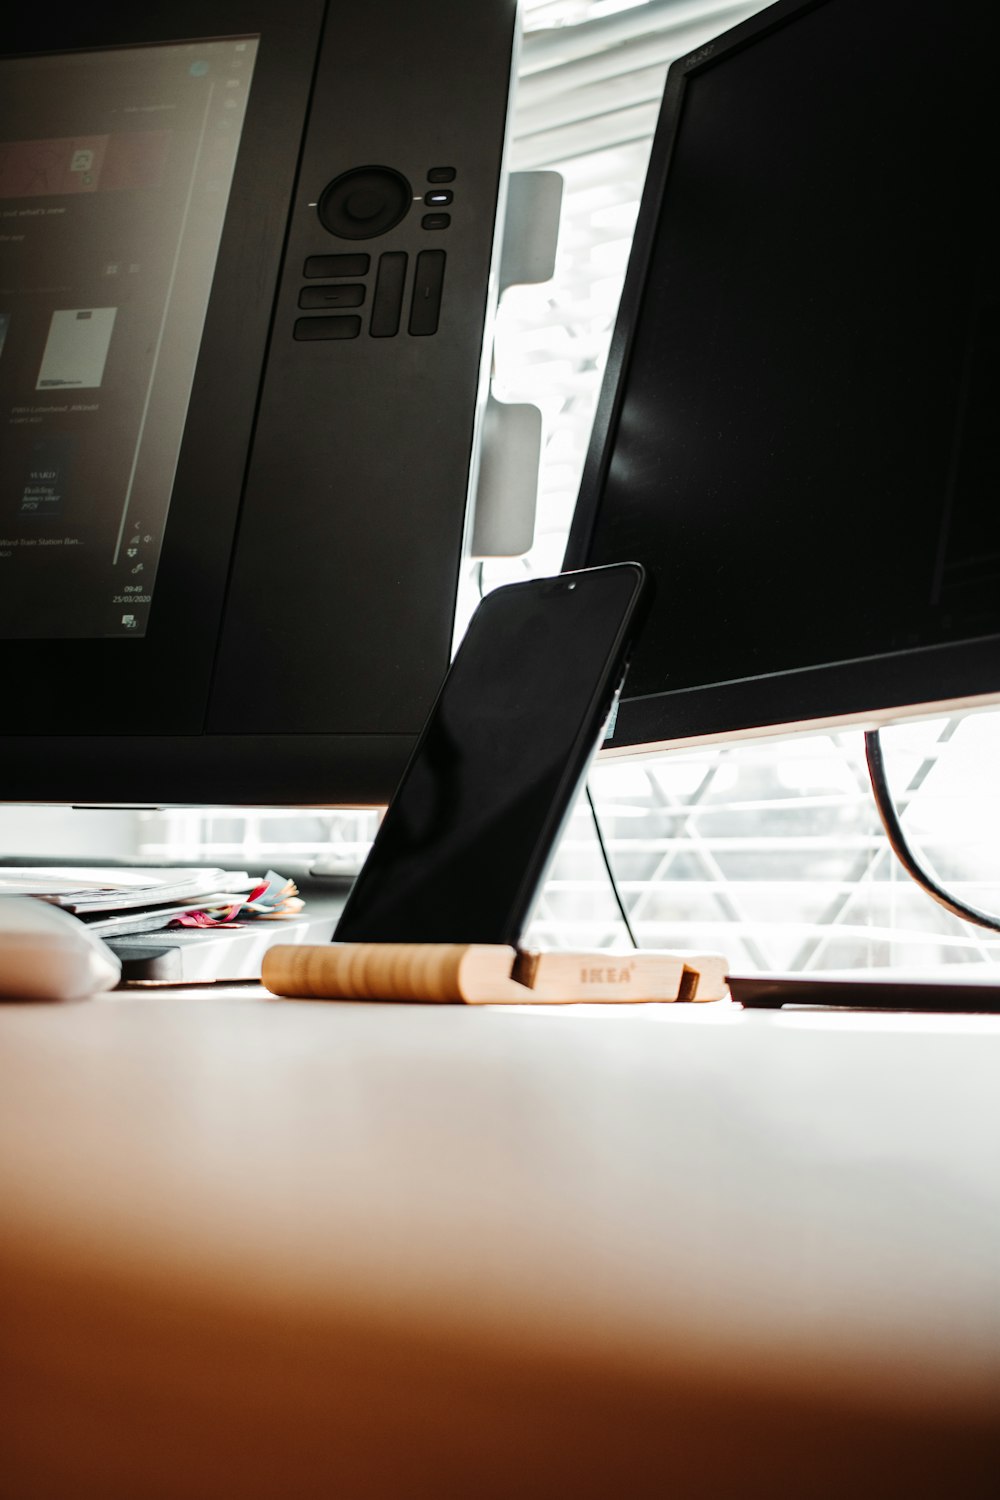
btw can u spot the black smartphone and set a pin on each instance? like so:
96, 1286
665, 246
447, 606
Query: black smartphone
464, 844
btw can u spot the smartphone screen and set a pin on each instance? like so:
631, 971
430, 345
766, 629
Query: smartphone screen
465, 841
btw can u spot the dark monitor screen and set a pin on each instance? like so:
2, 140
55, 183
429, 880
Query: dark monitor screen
247, 259
796, 433
114, 182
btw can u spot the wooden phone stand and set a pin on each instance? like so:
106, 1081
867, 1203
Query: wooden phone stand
488, 974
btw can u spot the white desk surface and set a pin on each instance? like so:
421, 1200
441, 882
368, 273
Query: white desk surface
266, 1248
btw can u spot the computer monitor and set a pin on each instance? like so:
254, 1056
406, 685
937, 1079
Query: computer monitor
796, 430
246, 263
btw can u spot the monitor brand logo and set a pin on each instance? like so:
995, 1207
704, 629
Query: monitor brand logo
702, 55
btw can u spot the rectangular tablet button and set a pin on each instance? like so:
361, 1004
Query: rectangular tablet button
327, 328
337, 265
425, 308
341, 294
388, 302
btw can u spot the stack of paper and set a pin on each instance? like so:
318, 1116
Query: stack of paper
116, 900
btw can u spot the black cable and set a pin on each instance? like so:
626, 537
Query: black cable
611, 874
898, 843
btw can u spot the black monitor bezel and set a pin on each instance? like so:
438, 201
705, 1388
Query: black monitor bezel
45, 676
863, 691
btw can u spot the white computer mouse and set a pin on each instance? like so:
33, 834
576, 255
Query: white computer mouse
47, 954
